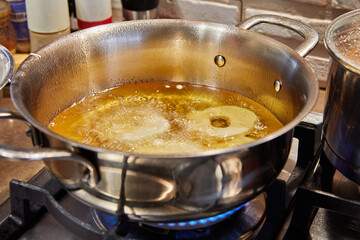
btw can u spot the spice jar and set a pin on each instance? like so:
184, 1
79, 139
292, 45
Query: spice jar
47, 21
7, 32
92, 13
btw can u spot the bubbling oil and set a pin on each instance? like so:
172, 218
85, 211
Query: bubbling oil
348, 45
165, 118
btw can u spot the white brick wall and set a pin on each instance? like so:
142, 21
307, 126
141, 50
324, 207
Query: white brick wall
345, 4
313, 2
318, 24
221, 11
209, 11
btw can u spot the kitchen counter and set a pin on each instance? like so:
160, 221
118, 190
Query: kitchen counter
13, 133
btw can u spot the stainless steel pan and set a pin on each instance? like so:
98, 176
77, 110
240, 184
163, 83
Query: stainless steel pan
154, 187
342, 115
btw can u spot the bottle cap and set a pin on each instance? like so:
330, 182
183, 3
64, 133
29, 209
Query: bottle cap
140, 5
46, 16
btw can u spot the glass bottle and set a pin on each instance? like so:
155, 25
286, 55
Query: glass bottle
7, 32
19, 21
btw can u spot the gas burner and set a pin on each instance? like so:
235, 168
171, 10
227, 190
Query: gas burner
240, 223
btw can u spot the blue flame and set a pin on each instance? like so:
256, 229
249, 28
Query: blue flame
202, 221
110, 221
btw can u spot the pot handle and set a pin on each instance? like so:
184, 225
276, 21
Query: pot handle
311, 37
90, 177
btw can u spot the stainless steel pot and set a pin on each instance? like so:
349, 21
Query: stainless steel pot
7, 65
153, 187
342, 115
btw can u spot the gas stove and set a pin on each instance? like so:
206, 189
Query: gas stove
300, 204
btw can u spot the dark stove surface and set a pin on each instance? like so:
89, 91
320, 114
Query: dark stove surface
299, 205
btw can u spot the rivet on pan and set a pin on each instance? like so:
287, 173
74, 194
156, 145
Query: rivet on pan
220, 60
85, 175
28, 133
277, 86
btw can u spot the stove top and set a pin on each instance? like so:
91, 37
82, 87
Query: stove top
304, 202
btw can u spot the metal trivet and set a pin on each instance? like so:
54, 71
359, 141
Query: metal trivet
27, 206
315, 195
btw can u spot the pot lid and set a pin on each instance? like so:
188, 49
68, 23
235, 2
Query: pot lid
342, 40
6, 66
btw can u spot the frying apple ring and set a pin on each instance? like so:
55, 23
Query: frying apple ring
224, 121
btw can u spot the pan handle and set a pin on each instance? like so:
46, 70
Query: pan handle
90, 177
311, 37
